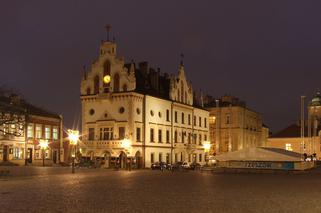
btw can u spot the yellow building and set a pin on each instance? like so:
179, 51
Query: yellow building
233, 126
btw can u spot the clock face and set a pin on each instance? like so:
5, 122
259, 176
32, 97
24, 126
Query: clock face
106, 79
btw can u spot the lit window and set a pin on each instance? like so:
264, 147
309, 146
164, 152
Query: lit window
288, 147
212, 119
30, 131
38, 131
55, 133
47, 132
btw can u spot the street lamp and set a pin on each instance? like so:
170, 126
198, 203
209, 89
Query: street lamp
73, 136
206, 147
43, 145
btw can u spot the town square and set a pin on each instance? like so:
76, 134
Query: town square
169, 106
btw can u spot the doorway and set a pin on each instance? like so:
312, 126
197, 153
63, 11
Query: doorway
5, 153
55, 153
29, 155
122, 160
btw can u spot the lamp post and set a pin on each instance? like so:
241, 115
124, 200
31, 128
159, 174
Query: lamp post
43, 145
207, 147
73, 136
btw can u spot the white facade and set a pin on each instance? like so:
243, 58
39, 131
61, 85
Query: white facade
120, 121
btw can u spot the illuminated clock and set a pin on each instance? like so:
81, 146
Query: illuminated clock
106, 79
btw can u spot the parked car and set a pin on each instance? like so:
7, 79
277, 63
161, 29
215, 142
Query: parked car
158, 166
186, 165
195, 166
177, 166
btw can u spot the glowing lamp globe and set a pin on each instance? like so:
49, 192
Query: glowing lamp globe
73, 136
106, 79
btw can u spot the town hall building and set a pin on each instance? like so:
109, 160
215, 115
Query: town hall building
134, 113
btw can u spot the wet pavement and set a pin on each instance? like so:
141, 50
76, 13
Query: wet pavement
154, 191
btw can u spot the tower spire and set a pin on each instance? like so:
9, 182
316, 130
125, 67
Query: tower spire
108, 28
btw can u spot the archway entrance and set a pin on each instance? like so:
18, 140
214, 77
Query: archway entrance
138, 160
107, 158
122, 160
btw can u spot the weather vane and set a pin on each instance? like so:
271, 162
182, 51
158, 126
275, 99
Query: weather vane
108, 28
182, 59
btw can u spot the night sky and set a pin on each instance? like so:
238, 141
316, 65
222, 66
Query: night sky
267, 53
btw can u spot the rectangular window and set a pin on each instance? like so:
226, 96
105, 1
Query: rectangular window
205, 122
152, 135
138, 134
228, 119
183, 117
152, 157
17, 153
189, 138
189, 119
167, 136
30, 131
167, 115
200, 158
100, 133
194, 138
288, 147
200, 121
200, 139
175, 137
121, 133
205, 137
55, 133
183, 136
160, 136
175, 116
108, 133
38, 131
91, 134
47, 132
212, 119
160, 157
194, 120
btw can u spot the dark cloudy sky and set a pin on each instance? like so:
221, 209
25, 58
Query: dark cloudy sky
267, 53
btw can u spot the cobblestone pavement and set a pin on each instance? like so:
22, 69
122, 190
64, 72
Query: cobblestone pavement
155, 191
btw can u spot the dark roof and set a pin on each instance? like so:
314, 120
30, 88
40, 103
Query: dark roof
151, 82
16, 104
292, 131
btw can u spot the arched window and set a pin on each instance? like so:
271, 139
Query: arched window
96, 84
116, 82
88, 91
125, 87
107, 68
106, 71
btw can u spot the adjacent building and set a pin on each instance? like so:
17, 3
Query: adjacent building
23, 127
134, 113
233, 126
305, 140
